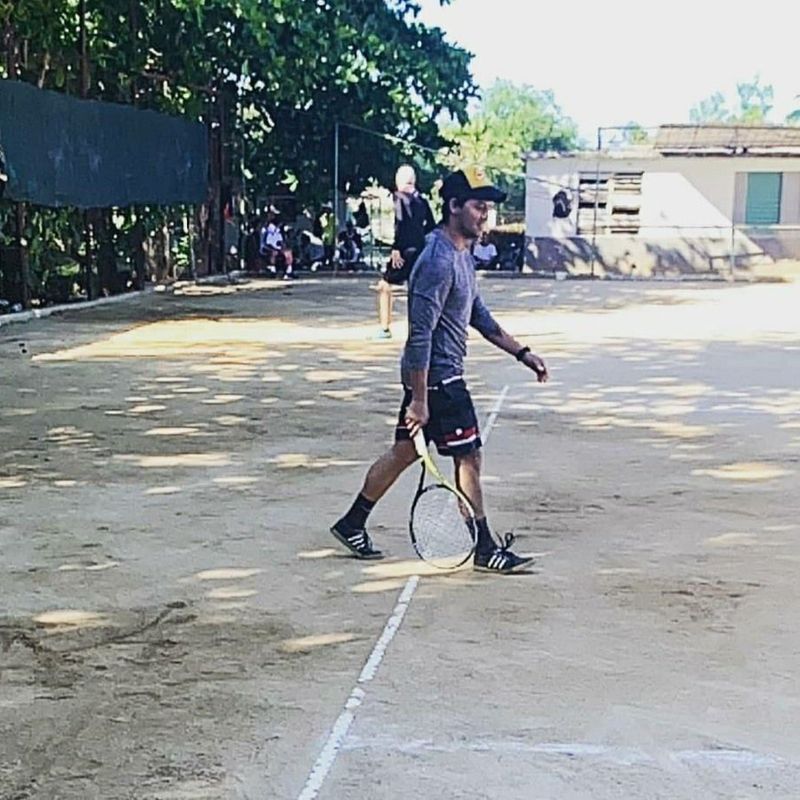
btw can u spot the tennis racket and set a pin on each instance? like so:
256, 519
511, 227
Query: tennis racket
442, 521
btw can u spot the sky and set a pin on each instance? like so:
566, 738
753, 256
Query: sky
610, 63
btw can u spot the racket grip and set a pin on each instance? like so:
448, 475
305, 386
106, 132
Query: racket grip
420, 444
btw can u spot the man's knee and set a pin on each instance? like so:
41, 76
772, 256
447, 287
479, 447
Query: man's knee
404, 452
471, 460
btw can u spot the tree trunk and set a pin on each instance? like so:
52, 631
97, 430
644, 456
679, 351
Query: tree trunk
106, 252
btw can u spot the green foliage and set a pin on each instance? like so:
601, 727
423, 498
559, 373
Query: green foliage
277, 74
793, 118
754, 104
510, 121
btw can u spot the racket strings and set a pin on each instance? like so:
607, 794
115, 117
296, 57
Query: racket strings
442, 528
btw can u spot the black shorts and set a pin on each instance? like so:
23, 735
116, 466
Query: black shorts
395, 277
453, 424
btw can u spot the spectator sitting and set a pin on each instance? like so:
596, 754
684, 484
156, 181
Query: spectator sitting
484, 253
273, 247
361, 217
350, 245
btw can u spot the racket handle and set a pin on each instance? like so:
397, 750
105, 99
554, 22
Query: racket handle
420, 444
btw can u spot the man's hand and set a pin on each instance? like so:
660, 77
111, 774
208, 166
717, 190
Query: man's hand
396, 260
416, 416
532, 361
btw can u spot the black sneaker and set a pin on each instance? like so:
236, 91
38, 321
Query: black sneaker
501, 560
356, 540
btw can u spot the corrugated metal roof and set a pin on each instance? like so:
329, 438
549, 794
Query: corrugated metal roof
727, 139
700, 140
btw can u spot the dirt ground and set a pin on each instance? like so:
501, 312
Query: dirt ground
176, 622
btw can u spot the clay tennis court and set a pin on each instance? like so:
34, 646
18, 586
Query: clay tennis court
177, 623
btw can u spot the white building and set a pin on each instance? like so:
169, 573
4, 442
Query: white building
697, 199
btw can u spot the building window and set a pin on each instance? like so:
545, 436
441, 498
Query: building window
609, 202
763, 203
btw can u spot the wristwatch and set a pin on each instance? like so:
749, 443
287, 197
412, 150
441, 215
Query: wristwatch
521, 353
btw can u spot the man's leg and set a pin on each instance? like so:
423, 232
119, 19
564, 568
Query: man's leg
384, 308
388, 468
489, 555
468, 480
350, 530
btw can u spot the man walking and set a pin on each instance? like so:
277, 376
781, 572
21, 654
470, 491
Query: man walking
443, 302
413, 221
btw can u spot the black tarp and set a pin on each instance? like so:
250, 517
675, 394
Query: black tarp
61, 151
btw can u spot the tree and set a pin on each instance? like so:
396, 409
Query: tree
270, 77
712, 109
753, 107
793, 118
510, 121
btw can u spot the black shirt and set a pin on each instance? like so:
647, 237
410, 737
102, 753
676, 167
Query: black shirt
413, 221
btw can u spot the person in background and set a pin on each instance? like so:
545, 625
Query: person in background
484, 253
413, 221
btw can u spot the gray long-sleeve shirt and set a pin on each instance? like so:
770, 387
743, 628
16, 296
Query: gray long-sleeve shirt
443, 301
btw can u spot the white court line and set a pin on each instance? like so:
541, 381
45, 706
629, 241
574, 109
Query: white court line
722, 758
333, 744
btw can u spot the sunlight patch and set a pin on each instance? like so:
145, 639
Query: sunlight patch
745, 471
305, 644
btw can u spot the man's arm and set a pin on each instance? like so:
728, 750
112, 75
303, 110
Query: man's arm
426, 298
417, 413
483, 321
396, 257
430, 222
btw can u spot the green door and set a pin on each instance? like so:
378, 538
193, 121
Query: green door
763, 198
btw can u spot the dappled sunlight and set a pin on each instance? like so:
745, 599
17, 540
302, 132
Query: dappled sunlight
375, 587
236, 480
189, 390
249, 338
223, 399
66, 619
230, 419
343, 394
764, 313
88, 567
407, 568
305, 461
326, 552
178, 460
731, 540
146, 408
672, 429
17, 412
184, 431
618, 571
230, 593
226, 574
752, 471
305, 644
13, 482
331, 376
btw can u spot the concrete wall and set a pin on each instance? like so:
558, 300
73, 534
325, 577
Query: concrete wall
689, 206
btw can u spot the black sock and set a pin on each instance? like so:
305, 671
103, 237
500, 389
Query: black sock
485, 543
356, 517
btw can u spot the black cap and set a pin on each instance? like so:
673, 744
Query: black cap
470, 183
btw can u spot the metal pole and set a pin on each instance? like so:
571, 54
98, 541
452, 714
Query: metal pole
733, 249
335, 191
596, 199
